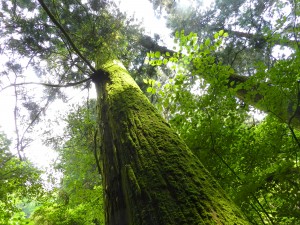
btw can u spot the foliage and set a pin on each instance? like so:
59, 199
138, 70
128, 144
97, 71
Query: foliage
194, 68
78, 200
34, 38
18, 180
254, 27
256, 162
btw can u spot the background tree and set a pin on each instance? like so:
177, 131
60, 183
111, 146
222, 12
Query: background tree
254, 28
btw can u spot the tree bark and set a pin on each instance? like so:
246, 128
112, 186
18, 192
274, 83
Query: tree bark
149, 174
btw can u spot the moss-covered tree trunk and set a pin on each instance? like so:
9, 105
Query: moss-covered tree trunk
149, 174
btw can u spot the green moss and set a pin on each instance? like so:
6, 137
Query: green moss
154, 176
131, 180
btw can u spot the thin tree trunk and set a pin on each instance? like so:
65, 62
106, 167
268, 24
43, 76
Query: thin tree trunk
149, 174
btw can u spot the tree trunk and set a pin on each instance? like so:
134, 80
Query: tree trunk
149, 174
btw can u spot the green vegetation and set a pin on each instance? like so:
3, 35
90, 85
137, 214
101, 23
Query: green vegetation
78, 199
19, 183
172, 137
256, 162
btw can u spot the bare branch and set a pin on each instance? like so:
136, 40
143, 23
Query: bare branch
49, 85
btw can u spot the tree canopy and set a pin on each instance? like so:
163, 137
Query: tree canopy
228, 61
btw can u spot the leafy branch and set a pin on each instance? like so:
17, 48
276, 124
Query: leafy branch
60, 27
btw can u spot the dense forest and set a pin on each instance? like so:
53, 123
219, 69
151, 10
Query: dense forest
204, 132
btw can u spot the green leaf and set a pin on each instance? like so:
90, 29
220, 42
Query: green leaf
221, 32
207, 42
157, 54
145, 81
212, 48
225, 34
149, 89
151, 82
216, 35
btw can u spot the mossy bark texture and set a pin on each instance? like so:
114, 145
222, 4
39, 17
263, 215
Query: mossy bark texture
149, 174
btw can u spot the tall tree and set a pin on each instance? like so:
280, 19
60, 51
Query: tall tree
149, 174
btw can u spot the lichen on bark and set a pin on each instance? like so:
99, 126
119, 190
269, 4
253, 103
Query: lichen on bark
150, 176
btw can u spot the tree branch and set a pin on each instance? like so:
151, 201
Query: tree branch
148, 43
260, 38
50, 85
59, 26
